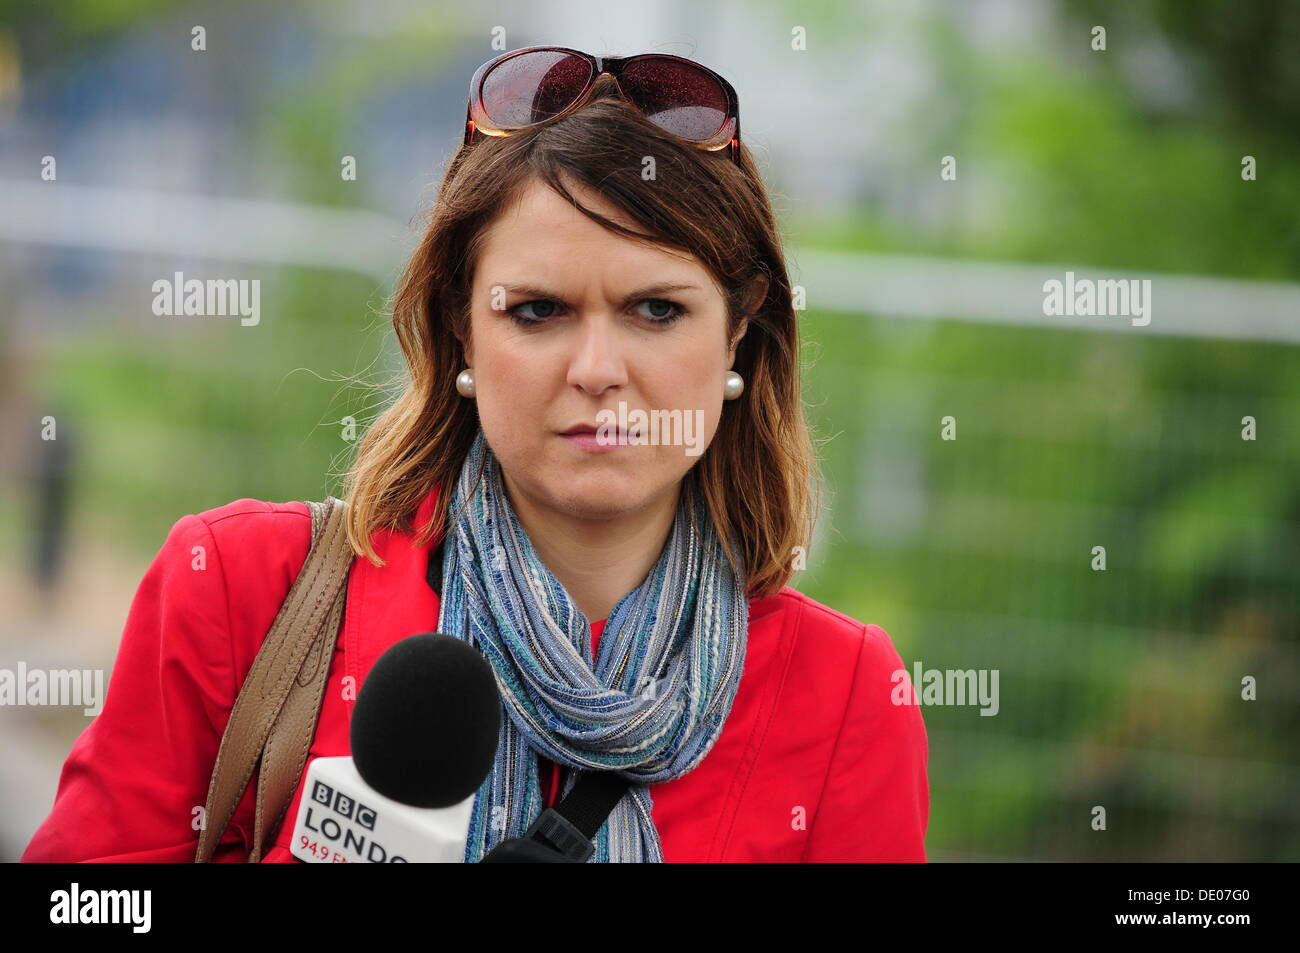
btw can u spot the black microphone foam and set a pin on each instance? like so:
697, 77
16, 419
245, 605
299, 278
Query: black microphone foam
425, 726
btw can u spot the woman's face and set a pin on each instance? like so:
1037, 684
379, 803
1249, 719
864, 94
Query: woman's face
569, 319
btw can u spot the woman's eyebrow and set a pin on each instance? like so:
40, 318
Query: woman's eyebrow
652, 291
649, 291
528, 291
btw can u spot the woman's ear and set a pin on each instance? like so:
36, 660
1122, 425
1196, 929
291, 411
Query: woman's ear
741, 328
755, 294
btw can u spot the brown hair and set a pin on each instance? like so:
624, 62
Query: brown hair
759, 476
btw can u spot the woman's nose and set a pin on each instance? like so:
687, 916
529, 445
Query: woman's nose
597, 362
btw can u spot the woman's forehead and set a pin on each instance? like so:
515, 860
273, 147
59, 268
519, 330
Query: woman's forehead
540, 216
540, 240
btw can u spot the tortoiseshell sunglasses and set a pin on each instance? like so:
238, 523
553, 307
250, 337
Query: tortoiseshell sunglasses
541, 84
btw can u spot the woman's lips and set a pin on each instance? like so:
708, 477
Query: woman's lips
592, 443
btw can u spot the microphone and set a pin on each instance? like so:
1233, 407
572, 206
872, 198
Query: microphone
424, 735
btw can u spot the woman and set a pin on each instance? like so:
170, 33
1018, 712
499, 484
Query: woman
602, 245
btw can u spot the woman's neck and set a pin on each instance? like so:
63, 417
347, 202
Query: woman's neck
598, 561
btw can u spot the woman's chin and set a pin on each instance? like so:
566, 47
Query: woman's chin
597, 495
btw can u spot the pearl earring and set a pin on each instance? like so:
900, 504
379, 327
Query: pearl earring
465, 383
734, 386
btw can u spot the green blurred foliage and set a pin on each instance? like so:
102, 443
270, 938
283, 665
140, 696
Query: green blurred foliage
1121, 688
53, 31
204, 415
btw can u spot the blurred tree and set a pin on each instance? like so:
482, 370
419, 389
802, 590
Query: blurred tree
1245, 56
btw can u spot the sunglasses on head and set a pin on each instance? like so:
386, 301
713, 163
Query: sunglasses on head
541, 84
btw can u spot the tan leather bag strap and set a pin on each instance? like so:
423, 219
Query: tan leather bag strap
275, 715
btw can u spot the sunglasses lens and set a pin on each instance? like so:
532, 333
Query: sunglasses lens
681, 98
533, 87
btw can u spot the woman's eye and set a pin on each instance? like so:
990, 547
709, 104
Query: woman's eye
543, 309
662, 311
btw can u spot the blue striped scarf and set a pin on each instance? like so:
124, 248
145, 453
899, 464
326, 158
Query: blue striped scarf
671, 656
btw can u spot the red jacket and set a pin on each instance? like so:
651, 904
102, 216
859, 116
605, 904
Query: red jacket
814, 762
